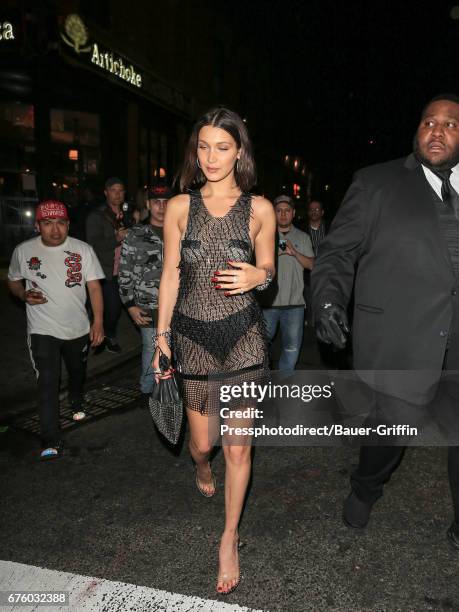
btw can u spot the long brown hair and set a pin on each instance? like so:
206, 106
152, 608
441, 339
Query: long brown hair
192, 176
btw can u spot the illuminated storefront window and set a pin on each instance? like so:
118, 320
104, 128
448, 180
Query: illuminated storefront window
153, 155
17, 149
75, 151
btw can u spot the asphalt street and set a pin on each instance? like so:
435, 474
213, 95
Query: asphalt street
120, 505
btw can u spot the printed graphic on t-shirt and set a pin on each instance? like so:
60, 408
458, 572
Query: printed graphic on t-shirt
34, 263
74, 276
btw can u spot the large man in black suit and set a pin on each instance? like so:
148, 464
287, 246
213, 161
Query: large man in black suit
395, 241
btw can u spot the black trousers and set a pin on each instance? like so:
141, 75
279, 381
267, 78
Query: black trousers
46, 353
112, 306
376, 464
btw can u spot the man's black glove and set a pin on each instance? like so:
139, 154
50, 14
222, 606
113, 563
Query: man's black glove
332, 325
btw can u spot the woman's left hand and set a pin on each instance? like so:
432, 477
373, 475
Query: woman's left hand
242, 277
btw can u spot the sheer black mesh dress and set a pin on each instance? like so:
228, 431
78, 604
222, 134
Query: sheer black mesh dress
216, 339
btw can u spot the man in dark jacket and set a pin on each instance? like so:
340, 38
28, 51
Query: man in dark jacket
316, 230
105, 233
395, 239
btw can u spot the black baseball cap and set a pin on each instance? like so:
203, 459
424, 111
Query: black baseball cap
113, 180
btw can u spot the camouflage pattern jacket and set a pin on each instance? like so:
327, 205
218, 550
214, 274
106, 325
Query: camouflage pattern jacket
140, 268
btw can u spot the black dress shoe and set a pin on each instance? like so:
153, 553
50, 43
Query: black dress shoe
99, 349
453, 535
356, 513
112, 345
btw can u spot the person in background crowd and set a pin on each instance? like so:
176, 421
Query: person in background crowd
139, 275
88, 203
105, 231
316, 228
395, 239
57, 270
286, 301
141, 205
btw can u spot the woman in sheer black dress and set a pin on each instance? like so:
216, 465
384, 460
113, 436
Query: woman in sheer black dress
218, 247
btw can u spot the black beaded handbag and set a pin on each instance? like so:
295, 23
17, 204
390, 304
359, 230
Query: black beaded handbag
166, 404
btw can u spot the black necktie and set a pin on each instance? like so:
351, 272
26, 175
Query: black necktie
448, 192
449, 195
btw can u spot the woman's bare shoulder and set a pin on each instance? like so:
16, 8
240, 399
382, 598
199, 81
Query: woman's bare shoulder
179, 204
261, 206
179, 201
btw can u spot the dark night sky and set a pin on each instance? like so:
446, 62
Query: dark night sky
351, 72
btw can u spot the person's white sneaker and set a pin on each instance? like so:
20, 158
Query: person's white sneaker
79, 416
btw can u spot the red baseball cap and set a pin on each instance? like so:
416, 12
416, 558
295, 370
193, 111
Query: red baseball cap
159, 192
51, 209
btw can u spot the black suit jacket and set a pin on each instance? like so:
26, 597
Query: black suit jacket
386, 243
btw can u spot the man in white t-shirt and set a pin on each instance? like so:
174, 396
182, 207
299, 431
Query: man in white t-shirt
56, 271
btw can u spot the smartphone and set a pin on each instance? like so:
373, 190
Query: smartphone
282, 245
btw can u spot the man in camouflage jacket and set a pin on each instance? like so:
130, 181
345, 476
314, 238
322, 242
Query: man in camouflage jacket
139, 275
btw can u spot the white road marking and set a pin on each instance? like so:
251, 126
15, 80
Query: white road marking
88, 594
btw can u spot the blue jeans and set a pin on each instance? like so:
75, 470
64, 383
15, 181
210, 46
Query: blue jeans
147, 378
291, 321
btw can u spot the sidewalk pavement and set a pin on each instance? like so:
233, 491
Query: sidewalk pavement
18, 383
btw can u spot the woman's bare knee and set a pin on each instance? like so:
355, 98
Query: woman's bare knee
201, 446
237, 455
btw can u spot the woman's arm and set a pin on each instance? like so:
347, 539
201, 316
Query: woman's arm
174, 225
265, 239
242, 276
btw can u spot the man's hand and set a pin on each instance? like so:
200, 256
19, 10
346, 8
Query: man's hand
33, 297
304, 260
120, 234
96, 334
289, 249
139, 316
332, 325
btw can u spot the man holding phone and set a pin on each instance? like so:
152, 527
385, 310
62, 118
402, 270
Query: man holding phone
286, 307
57, 270
139, 274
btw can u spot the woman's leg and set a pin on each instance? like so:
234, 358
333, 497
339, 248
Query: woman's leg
238, 467
200, 448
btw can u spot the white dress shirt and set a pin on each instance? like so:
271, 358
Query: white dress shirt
435, 181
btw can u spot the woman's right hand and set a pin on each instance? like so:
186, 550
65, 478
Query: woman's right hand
162, 347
